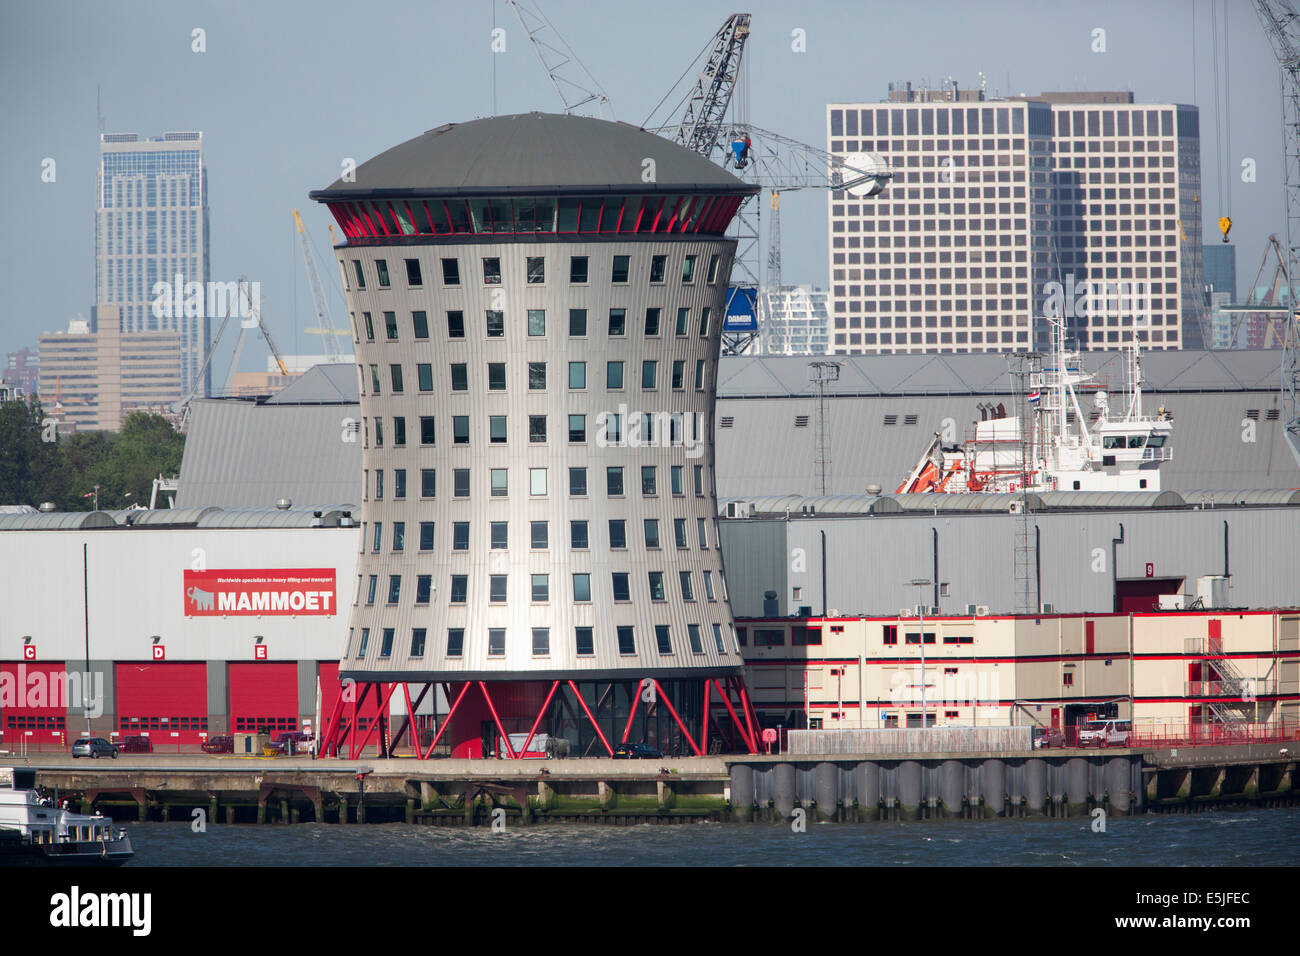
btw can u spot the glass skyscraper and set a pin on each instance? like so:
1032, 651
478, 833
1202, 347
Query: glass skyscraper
151, 225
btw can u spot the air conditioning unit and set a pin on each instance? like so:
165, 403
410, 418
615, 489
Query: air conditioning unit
833, 612
1047, 609
981, 610
906, 612
1017, 506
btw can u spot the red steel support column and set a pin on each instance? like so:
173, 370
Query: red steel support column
704, 734
446, 720
751, 718
636, 702
672, 710
357, 700
380, 709
744, 734
599, 733
500, 729
540, 714
331, 730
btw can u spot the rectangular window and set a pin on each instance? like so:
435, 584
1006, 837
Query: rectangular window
500, 483
656, 579
614, 375
584, 641
577, 323
455, 638
418, 634
451, 272
365, 639
500, 536
713, 277
704, 322
649, 368
676, 474
578, 270
361, 276
582, 587
497, 589
699, 480
658, 265
413, 277
379, 433
459, 588
537, 376
693, 633
578, 482
539, 534
496, 642
769, 637
651, 532
652, 321
459, 377
536, 269
423, 588
427, 431
890, 632
649, 484
578, 535
699, 375
679, 374
717, 639
460, 482
683, 322
379, 536
679, 533
372, 587
424, 371
702, 531
460, 429
688, 589
688, 269
577, 429
399, 430
456, 325
496, 323
626, 643
541, 588
497, 429
618, 321
708, 585
395, 374
577, 375
622, 590
428, 482
426, 535
662, 639
370, 326
541, 641
614, 481
390, 326
379, 483
394, 588
399, 482
496, 376
617, 533
491, 271
537, 481
537, 429
618, 274
460, 536
536, 322
915, 638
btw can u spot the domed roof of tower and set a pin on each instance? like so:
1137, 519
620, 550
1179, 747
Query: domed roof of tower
536, 154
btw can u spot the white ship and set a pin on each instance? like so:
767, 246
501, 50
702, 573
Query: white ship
1062, 448
34, 832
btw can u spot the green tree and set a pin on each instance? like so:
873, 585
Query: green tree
28, 463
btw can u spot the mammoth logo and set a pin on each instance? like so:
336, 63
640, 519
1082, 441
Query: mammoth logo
201, 599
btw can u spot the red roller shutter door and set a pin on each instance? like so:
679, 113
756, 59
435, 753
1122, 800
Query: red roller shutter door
166, 700
264, 694
33, 705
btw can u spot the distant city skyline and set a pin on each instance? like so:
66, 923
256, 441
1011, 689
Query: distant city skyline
281, 112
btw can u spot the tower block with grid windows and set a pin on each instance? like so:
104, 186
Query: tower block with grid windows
537, 305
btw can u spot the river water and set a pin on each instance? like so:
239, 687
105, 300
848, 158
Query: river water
1223, 838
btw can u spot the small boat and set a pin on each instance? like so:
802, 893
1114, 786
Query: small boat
34, 832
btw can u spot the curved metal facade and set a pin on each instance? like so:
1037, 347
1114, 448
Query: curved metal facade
489, 378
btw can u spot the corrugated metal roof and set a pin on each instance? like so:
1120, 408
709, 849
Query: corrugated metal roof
975, 502
320, 385
820, 504
240, 455
1112, 499
57, 520
160, 517
1243, 496
274, 517
532, 152
988, 374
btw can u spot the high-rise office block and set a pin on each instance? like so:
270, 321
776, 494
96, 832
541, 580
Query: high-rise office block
151, 226
1000, 212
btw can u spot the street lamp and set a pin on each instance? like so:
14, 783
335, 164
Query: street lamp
920, 584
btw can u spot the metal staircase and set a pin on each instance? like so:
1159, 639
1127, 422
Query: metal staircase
1228, 695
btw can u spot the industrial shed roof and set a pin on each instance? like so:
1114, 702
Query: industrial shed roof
823, 504
532, 153
274, 517
320, 385
57, 520
1243, 496
1111, 499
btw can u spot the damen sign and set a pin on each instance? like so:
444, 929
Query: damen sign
254, 592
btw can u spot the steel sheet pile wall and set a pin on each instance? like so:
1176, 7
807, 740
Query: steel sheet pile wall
914, 740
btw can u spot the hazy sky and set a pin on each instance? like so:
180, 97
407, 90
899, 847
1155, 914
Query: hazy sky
286, 90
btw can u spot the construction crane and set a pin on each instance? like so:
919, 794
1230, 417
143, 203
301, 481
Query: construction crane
1281, 23
325, 325
572, 93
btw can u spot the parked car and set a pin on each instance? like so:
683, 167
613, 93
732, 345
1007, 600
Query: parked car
138, 744
1119, 733
1092, 734
219, 744
633, 751
1048, 737
94, 747
291, 742
1106, 733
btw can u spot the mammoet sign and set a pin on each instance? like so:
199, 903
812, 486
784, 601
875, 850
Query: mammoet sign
256, 592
